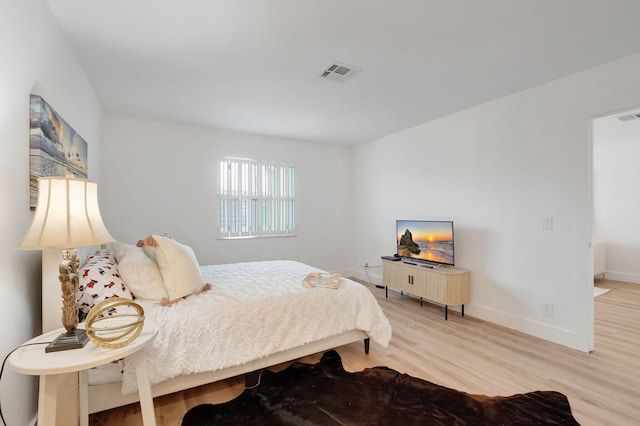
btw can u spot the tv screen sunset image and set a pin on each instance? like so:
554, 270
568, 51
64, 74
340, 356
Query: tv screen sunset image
426, 240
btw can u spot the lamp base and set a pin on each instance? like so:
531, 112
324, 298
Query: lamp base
73, 339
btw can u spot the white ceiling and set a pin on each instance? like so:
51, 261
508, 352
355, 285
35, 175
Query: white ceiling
254, 65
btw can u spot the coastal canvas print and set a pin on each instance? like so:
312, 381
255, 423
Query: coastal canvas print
55, 148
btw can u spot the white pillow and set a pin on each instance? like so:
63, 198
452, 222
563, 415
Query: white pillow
179, 268
141, 274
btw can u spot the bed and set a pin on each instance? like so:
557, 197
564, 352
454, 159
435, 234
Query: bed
256, 314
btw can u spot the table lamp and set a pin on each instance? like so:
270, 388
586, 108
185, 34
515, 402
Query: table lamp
66, 217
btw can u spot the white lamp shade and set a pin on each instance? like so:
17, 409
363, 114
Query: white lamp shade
67, 216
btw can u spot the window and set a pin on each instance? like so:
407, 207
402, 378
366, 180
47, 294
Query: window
255, 199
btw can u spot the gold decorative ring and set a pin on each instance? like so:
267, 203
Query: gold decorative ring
114, 331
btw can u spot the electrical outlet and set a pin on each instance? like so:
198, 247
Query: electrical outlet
548, 309
366, 264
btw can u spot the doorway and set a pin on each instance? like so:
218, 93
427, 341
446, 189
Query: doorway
615, 203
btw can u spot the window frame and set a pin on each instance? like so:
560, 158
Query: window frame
256, 199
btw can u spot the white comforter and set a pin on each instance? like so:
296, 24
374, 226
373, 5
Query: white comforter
254, 309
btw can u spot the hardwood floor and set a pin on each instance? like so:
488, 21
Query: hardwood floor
477, 357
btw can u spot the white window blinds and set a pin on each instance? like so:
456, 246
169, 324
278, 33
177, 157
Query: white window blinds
255, 199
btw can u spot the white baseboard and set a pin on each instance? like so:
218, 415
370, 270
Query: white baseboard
375, 275
623, 276
535, 328
559, 335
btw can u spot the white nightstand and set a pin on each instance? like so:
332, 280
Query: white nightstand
34, 361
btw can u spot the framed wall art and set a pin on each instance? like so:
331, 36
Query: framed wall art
55, 148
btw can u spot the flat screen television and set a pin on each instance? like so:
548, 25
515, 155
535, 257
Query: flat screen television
428, 241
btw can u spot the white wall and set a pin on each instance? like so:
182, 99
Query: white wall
496, 170
162, 178
34, 57
617, 207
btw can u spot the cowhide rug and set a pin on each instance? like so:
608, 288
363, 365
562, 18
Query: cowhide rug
326, 394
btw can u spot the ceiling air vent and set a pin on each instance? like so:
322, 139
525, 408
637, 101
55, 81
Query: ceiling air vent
338, 72
629, 117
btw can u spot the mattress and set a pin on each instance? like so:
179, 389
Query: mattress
253, 310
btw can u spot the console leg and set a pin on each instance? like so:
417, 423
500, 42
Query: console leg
386, 292
366, 345
421, 301
446, 312
462, 310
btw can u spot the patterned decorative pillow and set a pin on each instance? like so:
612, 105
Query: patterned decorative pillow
99, 280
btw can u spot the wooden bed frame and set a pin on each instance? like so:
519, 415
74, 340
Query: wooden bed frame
106, 396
